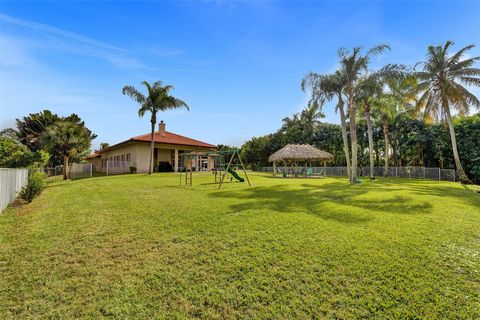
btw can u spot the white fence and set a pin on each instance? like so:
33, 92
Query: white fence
119, 167
392, 172
11, 182
81, 171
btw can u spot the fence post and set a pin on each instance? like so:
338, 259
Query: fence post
439, 174
423, 172
396, 172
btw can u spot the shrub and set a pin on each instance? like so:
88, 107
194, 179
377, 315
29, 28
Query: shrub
36, 183
133, 169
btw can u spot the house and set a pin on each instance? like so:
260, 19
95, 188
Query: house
169, 147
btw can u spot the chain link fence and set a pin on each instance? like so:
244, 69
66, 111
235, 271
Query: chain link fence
81, 171
53, 173
392, 172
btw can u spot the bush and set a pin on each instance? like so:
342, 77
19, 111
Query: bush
133, 169
36, 183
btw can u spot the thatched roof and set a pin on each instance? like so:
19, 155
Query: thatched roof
299, 152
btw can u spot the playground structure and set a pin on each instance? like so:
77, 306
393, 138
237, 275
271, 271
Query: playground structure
216, 163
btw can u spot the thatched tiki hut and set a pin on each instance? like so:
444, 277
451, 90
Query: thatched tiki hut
294, 153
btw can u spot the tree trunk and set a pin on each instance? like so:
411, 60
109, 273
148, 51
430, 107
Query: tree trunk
152, 147
345, 137
65, 167
353, 138
370, 141
385, 135
462, 177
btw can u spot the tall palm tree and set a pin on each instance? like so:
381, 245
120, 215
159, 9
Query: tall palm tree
441, 87
369, 91
326, 88
158, 98
354, 65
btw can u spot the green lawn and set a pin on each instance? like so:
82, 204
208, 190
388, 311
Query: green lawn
142, 247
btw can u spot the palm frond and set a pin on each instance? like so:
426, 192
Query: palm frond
133, 93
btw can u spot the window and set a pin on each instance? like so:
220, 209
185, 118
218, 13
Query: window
123, 157
128, 157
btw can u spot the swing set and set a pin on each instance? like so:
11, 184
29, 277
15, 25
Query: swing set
216, 162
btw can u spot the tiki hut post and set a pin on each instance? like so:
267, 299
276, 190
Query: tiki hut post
274, 168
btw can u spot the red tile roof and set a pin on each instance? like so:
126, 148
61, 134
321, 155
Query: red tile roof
172, 138
93, 155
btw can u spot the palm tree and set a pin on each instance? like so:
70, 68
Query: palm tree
369, 91
354, 65
68, 138
389, 105
326, 88
309, 120
441, 87
157, 99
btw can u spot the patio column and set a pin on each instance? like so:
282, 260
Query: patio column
176, 160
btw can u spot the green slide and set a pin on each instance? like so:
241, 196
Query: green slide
235, 175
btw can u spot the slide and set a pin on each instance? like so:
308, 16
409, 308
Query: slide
235, 175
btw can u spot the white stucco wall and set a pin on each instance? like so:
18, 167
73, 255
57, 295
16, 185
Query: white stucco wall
140, 154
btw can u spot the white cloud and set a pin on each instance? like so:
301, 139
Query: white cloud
59, 32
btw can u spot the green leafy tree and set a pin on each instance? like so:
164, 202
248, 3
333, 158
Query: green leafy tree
69, 138
31, 127
441, 85
16, 155
10, 133
158, 99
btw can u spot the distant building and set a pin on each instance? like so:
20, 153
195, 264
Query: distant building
135, 152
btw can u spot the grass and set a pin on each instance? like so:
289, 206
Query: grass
142, 247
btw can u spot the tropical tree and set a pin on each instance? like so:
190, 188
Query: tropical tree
441, 84
31, 127
397, 100
310, 119
370, 89
354, 65
158, 98
69, 138
326, 88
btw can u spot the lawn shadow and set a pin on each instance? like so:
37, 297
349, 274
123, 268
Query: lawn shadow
318, 199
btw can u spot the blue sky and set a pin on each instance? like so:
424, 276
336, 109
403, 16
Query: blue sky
237, 64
